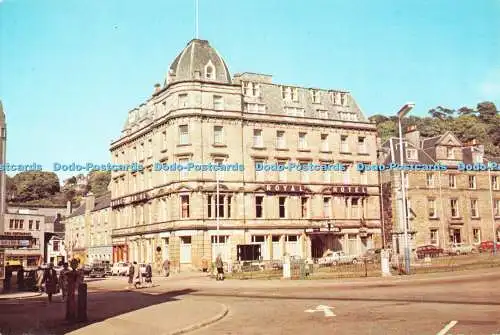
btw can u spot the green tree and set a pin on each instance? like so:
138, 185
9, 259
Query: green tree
99, 181
33, 185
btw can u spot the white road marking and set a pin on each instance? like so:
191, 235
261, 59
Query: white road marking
447, 327
322, 308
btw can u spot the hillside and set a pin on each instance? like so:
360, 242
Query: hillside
481, 123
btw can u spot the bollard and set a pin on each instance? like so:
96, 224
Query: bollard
82, 302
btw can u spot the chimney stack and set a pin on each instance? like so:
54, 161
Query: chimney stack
157, 88
89, 202
412, 135
471, 143
68, 208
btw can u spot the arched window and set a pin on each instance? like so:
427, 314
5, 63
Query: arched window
209, 71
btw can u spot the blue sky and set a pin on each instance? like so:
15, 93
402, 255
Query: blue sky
70, 70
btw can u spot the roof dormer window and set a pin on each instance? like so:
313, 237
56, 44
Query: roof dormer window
209, 71
289, 93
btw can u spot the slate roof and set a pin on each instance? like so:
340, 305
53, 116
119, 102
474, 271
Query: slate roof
101, 202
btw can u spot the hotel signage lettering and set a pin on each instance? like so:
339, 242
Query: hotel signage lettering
349, 189
285, 188
10, 233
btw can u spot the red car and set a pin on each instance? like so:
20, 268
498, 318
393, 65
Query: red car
487, 246
429, 250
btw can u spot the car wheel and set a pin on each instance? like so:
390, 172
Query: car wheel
354, 261
334, 263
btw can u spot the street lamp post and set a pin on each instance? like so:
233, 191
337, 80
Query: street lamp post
402, 112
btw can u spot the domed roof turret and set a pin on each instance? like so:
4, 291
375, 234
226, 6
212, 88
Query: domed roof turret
199, 61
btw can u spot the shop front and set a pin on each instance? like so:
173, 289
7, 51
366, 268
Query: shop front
120, 253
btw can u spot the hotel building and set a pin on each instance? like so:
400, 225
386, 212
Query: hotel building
203, 115
444, 206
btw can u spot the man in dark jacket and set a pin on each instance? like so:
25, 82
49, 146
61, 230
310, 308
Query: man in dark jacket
131, 275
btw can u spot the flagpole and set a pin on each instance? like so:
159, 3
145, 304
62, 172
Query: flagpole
196, 19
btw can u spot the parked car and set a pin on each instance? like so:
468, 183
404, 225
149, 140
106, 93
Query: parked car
97, 270
487, 246
86, 269
371, 255
461, 249
338, 257
429, 251
107, 269
120, 269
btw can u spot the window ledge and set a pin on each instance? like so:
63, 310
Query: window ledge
363, 154
304, 150
433, 218
184, 145
163, 151
346, 153
219, 145
282, 149
326, 151
259, 148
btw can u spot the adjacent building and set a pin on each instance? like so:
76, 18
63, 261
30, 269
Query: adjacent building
203, 115
88, 230
445, 205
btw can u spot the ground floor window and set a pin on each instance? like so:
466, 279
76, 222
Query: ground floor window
352, 244
220, 245
455, 236
434, 236
292, 245
476, 235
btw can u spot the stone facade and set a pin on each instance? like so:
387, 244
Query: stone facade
446, 205
245, 120
88, 230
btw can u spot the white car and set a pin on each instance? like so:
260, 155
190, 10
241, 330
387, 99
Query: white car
461, 249
120, 269
338, 257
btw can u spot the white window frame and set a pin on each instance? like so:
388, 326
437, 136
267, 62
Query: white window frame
280, 140
258, 141
474, 208
302, 140
344, 143
218, 135
472, 182
183, 136
182, 100
218, 102
429, 207
324, 142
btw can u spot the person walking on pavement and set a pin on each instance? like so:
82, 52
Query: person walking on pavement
220, 267
50, 281
39, 278
137, 275
63, 281
166, 267
131, 275
149, 275
8, 277
20, 279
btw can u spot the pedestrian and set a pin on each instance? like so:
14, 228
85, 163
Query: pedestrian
166, 267
204, 264
39, 278
220, 267
63, 281
20, 279
138, 275
8, 277
50, 281
149, 274
131, 275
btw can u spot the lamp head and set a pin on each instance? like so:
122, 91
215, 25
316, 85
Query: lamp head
405, 109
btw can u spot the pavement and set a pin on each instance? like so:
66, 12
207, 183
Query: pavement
19, 295
183, 316
444, 303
